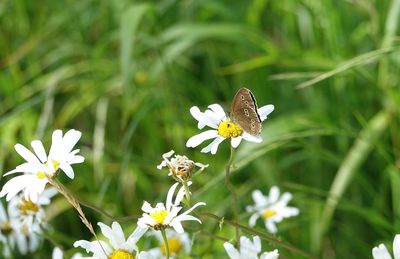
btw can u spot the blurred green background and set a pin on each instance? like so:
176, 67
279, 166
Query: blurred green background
125, 73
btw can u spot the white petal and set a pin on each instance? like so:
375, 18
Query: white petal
213, 146
198, 115
264, 111
251, 138
170, 194
26, 154
67, 170
114, 237
70, 139
270, 255
396, 247
236, 141
270, 225
253, 219
39, 150
218, 110
178, 227
57, 253
137, 234
231, 251
146, 207
201, 137
273, 194
55, 143
381, 252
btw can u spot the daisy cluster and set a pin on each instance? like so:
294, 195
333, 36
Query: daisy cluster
30, 189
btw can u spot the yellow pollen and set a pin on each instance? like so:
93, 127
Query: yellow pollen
228, 129
159, 216
28, 206
121, 254
266, 214
55, 164
174, 246
41, 175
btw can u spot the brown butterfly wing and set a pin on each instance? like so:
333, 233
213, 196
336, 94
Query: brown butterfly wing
244, 112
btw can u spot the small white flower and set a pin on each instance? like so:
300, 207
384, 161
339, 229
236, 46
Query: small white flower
120, 247
14, 235
180, 167
58, 254
223, 128
39, 166
249, 250
178, 244
272, 208
381, 252
162, 216
25, 212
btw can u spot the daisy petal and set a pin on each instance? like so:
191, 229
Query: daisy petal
39, 150
264, 111
201, 137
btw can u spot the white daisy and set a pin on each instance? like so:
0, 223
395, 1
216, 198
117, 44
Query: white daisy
26, 212
178, 244
120, 247
249, 250
59, 254
381, 252
14, 235
163, 216
180, 167
39, 166
272, 208
223, 128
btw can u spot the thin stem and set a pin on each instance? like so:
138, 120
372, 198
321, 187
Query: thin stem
164, 236
8, 244
187, 193
231, 188
75, 203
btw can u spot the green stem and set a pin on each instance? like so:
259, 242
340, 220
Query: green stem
164, 236
187, 193
9, 247
231, 188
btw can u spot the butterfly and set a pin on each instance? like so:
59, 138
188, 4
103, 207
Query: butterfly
244, 112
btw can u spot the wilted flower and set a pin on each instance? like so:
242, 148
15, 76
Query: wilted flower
120, 247
163, 216
222, 127
180, 167
381, 252
249, 250
272, 208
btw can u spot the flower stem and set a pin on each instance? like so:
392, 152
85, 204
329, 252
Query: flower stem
164, 236
75, 203
187, 193
231, 188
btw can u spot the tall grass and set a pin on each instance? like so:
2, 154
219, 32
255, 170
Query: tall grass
126, 73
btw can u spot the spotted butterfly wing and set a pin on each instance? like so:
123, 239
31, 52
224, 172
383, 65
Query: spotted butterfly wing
244, 112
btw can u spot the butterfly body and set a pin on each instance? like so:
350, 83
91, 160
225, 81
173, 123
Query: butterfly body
244, 112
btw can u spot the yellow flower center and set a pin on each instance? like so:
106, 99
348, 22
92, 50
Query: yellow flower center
121, 254
228, 129
159, 216
28, 206
174, 246
41, 175
266, 214
55, 164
